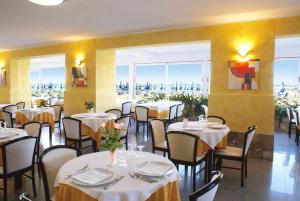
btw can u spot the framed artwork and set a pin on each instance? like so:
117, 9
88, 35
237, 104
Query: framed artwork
79, 77
243, 75
2, 78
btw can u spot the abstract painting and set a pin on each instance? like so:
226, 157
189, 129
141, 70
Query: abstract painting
2, 78
79, 77
243, 75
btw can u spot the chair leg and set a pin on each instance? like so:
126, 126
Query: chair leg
126, 142
246, 167
94, 145
59, 127
50, 136
164, 154
290, 130
33, 181
5, 189
242, 173
194, 178
137, 128
297, 137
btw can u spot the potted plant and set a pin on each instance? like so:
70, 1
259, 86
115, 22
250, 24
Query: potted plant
112, 136
188, 112
89, 105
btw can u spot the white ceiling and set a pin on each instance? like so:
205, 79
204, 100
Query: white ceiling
24, 24
162, 54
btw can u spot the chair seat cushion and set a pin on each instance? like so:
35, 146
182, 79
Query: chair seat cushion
230, 151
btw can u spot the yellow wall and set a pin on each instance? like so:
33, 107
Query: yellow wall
239, 108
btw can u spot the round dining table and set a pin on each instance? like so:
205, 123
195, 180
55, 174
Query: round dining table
211, 136
129, 188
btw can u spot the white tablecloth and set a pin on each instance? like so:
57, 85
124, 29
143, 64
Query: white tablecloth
210, 136
33, 112
129, 189
15, 133
160, 106
3, 105
95, 120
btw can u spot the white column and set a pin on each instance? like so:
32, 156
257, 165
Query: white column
167, 80
132, 81
298, 81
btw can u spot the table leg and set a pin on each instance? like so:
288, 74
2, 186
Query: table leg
210, 161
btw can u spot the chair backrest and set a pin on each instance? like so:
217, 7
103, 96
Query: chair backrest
72, 128
180, 108
20, 105
7, 117
182, 147
18, 154
141, 113
125, 121
248, 139
208, 192
116, 112
289, 113
33, 128
296, 116
172, 112
51, 161
57, 111
12, 109
216, 119
52, 101
126, 108
157, 131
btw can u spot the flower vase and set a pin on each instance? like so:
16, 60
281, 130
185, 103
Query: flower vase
185, 123
91, 110
113, 158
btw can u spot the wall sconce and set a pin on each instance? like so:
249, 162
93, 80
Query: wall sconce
1, 67
243, 52
79, 62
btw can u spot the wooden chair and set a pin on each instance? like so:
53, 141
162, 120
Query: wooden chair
296, 117
58, 114
12, 109
216, 119
182, 149
208, 192
8, 119
158, 136
172, 115
72, 128
20, 105
237, 154
142, 118
291, 119
179, 112
18, 159
116, 112
126, 108
51, 161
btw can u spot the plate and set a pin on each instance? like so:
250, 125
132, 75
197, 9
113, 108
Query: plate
110, 177
154, 168
216, 126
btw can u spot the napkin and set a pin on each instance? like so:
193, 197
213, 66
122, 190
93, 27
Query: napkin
154, 168
91, 176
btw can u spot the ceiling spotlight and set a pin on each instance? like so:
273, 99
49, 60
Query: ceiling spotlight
47, 2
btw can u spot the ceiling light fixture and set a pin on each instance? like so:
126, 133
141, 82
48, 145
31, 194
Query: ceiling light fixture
47, 2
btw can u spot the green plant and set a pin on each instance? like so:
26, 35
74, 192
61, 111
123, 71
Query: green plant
280, 104
112, 137
89, 105
156, 96
43, 103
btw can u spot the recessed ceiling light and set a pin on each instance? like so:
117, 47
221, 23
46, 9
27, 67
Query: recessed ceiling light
47, 2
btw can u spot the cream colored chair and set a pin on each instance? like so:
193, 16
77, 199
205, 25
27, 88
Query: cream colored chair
142, 118
58, 112
216, 119
116, 112
208, 192
8, 119
158, 136
296, 117
12, 109
51, 161
182, 150
20, 105
126, 108
237, 154
179, 112
124, 133
172, 114
18, 159
291, 119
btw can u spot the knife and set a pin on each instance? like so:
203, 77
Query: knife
113, 182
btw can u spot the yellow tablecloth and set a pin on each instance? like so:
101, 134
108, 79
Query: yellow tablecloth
158, 115
64, 192
1, 115
44, 117
203, 147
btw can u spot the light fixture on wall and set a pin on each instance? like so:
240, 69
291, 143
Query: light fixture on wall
79, 62
47, 2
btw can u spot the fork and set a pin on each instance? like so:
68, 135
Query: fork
77, 171
137, 176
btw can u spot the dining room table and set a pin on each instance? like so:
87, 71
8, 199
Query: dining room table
41, 114
92, 122
159, 109
6, 135
211, 135
137, 176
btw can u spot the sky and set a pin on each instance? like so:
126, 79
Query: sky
186, 73
54, 75
287, 72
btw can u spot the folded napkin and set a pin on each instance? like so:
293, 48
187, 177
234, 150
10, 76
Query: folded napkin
154, 168
92, 176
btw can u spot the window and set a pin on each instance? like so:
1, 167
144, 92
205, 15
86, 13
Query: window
122, 79
150, 78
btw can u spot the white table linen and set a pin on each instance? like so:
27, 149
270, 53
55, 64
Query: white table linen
160, 106
14, 132
129, 189
95, 120
210, 136
30, 113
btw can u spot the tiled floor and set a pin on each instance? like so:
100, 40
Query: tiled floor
267, 181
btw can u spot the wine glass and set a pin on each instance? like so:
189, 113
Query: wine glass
140, 150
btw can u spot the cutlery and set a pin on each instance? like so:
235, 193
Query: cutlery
113, 182
77, 171
138, 176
